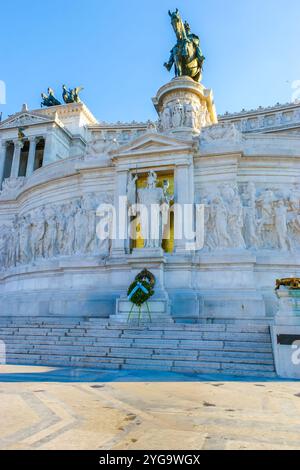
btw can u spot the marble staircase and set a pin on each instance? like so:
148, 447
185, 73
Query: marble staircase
98, 343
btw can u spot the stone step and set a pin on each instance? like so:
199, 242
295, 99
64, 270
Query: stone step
199, 367
135, 334
198, 335
130, 353
94, 332
103, 323
237, 372
166, 346
239, 350
144, 319
167, 349
247, 346
90, 362
193, 327
224, 365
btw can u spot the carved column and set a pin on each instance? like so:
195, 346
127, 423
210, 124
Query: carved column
121, 222
31, 156
16, 159
3, 148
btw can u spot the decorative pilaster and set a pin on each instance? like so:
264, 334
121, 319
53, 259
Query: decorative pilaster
121, 222
31, 156
16, 159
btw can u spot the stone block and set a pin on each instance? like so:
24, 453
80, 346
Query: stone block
153, 367
148, 362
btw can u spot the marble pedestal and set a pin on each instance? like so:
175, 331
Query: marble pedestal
184, 107
159, 312
154, 260
159, 305
286, 334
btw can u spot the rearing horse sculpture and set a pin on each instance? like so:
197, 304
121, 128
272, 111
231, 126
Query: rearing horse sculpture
186, 55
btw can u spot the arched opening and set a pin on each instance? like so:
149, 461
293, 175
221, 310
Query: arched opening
8, 160
39, 154
24, 159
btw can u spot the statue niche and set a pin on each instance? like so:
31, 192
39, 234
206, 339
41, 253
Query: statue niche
150, 224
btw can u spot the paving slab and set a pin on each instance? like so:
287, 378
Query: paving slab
75, 408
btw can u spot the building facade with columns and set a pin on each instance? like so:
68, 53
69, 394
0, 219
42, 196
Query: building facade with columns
59, 164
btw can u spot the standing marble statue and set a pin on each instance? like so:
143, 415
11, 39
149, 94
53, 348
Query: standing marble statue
38, 233
50, 233
219, 223
69, 244
209, 239
266, 222
250, 235
24, 238
62, 229
166, 118
131, 189
151, 198
90, 219
280, 215
190, 116
234, 212
235, 222
178, 114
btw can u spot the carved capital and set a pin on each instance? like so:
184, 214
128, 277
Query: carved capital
39, 138
18, 143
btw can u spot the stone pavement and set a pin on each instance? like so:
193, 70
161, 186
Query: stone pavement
49, 408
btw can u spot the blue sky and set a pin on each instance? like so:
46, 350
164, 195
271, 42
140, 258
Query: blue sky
116, 50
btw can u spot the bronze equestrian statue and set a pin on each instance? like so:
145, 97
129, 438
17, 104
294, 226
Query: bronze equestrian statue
186, 55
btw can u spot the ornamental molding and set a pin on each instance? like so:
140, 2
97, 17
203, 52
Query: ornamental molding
152, 142
24, 119
70, 110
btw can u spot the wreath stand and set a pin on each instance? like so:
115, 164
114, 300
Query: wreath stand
139, 312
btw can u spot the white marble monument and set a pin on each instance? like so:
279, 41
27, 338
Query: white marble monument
244, 168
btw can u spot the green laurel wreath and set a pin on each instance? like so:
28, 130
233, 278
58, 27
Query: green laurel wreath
140, 297
147, 280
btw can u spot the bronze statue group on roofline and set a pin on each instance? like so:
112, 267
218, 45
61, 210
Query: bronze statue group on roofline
69, 95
